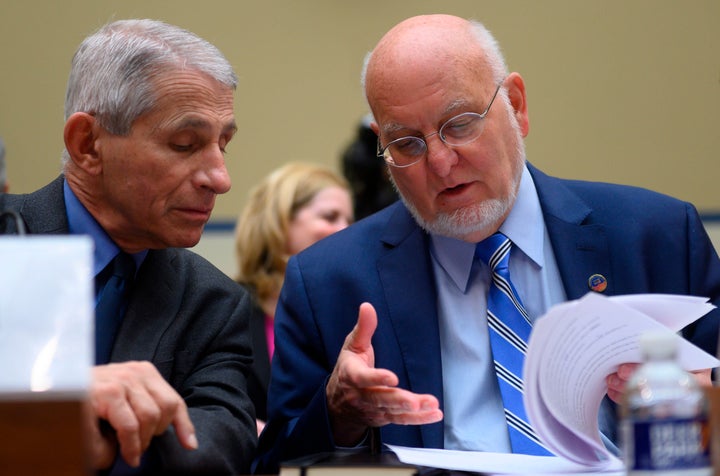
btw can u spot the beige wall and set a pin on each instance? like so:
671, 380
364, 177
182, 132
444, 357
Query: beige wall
619, 90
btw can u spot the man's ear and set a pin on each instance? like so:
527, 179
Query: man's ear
81, 134
518, 101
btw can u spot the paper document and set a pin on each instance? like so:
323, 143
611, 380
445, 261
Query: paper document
495, 463
577, 344
572, 349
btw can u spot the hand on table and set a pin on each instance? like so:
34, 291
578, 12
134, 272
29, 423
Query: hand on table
134, 399
361, 396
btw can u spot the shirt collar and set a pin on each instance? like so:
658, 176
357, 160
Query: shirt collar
524, 226
81, 222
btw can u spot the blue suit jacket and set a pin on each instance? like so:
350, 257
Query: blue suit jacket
641, 241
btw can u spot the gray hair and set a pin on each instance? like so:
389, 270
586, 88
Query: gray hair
3, 171
114, 70
487, 43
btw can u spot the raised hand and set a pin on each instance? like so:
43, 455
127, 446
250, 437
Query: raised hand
361, 396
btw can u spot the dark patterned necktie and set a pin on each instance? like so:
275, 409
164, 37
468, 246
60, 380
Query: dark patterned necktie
509, 333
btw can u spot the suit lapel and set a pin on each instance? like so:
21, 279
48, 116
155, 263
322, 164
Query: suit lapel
151, 310
580, 248
407, 279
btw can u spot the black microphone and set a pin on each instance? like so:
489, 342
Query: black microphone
19, 223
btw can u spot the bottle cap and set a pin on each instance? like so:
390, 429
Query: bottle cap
658, 344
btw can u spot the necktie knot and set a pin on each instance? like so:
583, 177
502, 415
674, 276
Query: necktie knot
123, 266
494, 251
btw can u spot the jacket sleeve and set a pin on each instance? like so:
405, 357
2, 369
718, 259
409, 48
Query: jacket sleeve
203, 350
298, 420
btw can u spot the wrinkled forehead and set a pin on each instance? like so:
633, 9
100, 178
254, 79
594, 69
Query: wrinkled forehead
404, 95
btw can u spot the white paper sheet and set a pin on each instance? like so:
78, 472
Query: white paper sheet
46, 314
495, 463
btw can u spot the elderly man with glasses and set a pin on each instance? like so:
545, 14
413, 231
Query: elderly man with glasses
390, 324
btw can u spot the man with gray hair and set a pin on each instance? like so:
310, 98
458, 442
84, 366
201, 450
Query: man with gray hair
149, 113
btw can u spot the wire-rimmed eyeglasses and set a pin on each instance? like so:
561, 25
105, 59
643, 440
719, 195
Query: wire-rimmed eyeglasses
456, 131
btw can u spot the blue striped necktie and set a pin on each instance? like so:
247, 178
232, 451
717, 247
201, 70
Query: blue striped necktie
509, 333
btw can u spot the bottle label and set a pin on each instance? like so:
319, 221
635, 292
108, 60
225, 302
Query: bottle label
678, 443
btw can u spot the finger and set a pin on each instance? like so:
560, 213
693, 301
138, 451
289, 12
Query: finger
157, 403
359, 375
704, 377
158, 407
625, 371
127, 428
408, 418
362, 373
615, 396
108, 397
360, 338
396, 401
615, 387
404, 408
124, 392
102, 447
184, 428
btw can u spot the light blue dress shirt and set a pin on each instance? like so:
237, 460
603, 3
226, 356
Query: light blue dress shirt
474, 415
81, 222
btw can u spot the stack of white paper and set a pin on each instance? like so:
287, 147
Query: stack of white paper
572, 349
577, 344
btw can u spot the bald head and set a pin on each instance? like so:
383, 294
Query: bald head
432, 78
433, 48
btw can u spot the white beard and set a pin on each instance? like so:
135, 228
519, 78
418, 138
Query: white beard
484, 216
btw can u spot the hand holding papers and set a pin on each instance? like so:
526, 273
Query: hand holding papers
572, 349
576, 345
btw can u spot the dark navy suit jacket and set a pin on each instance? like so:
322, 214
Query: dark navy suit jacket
641, 241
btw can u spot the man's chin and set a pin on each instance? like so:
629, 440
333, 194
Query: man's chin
186, 240
466, 223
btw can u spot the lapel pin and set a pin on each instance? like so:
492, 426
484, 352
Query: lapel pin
597, 283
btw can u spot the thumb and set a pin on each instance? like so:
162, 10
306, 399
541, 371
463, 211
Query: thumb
361, 335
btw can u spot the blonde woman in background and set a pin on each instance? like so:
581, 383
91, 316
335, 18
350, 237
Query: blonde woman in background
292, 208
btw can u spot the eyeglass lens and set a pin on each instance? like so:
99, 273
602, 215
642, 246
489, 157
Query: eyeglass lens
457, 131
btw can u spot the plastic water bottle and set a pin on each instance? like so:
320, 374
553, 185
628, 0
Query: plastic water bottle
664, 418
